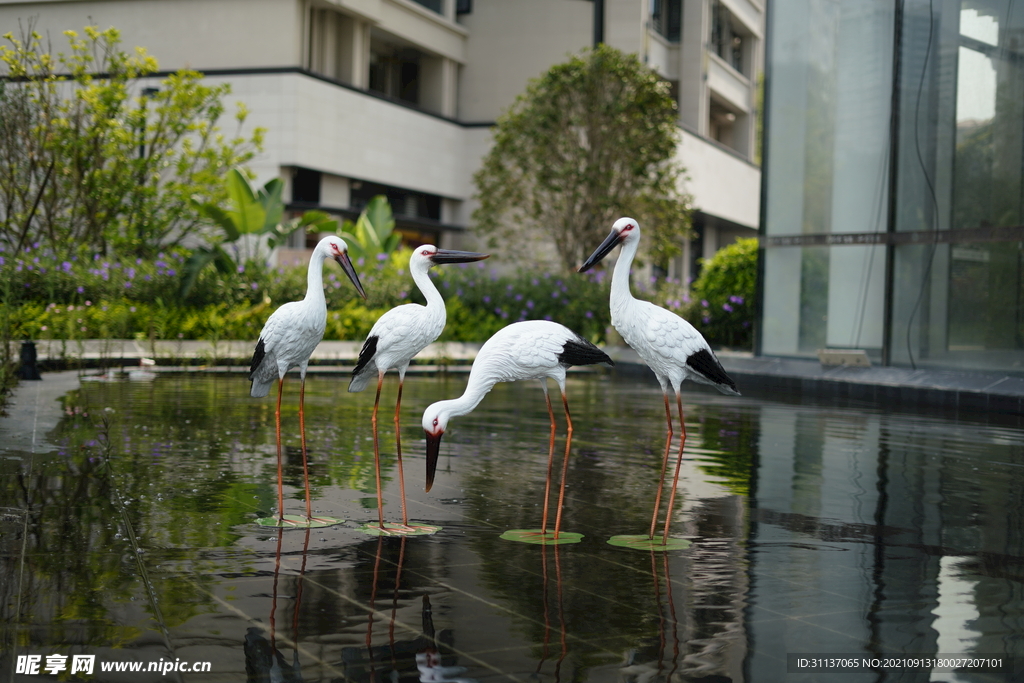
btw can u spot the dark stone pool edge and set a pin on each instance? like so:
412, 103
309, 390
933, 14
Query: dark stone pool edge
989, 392
946, 389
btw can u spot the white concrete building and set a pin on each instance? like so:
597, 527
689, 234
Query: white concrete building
367, 96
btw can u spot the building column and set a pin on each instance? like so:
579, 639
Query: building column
439, 85
353, 51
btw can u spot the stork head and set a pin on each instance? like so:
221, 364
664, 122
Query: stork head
334, 247
427, 255
435, 421
623, 230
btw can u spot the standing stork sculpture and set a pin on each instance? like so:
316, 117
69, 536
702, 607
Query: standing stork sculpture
672, 348
287, 341
394, 340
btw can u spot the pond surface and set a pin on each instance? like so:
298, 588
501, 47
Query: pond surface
816, 529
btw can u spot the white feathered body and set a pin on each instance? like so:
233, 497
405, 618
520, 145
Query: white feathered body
662, 339
401, 333
523, 350
289, 337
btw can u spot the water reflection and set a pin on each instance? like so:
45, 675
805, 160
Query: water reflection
815, 528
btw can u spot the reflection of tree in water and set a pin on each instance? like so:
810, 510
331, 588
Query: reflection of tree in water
730, 434
81, 568
610, 494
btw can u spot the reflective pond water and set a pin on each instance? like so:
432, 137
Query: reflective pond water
817, 529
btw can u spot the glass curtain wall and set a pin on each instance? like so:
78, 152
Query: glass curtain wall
826, 169
958, 288
952, 233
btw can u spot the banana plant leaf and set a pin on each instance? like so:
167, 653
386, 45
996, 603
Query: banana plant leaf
200, 258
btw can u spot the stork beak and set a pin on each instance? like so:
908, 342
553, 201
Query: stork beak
610, 242
346, 265
433, 449
450, 256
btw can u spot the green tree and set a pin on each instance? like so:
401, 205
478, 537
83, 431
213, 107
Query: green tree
589, 141
89, 159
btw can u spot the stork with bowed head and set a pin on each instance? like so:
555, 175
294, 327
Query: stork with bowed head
672, 348
395, 339
287, 341
535, 349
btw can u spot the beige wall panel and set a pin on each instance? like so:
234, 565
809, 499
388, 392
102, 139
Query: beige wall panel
200, 34
335, 130
512, 42
721, 183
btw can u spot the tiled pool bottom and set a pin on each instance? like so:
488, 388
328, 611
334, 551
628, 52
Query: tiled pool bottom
839, 530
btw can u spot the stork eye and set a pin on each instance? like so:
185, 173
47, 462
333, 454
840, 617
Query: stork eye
435, 421
425, 252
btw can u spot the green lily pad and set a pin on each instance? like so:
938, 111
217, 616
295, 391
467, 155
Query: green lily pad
541, 537
645, 542
373, 529
298, 522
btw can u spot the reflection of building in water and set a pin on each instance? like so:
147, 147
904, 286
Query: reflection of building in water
873, 534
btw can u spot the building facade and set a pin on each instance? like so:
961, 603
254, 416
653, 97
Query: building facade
893, 189
362, 97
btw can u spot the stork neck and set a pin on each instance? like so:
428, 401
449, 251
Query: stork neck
315, 278
620, 276
475, 391
421, 277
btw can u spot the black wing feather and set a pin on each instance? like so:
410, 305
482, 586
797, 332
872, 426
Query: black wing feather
580, 351
257, 357
365, 354
705, 363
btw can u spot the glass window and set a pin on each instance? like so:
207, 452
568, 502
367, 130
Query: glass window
435, 5
667, 18
726, 38
958, 298
395, 71
826, 172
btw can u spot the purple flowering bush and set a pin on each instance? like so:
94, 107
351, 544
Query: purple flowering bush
91, 296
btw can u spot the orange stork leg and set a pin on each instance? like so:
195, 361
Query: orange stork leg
679, 464
664, 468
376, 451
305, 461
280, 464
398, 446
565, 466
551, 461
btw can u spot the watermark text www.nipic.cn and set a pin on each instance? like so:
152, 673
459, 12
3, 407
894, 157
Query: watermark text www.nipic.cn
35, 665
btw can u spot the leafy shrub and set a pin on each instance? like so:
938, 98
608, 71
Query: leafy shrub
722, 298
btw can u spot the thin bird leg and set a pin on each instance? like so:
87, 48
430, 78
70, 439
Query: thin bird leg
565, 466
551, 462
376, 452
664, 468
280, 465
679, 464
398, 446
302, 432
